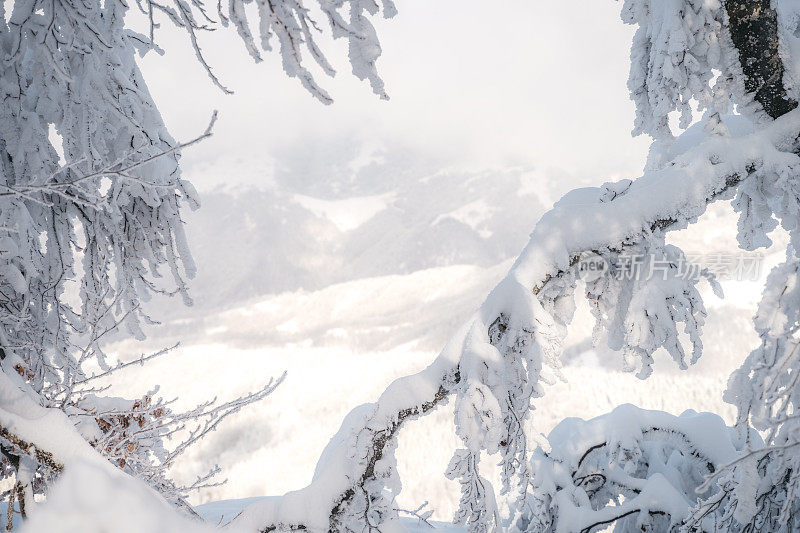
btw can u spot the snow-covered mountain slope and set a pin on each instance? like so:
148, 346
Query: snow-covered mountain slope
368, 314
386, 218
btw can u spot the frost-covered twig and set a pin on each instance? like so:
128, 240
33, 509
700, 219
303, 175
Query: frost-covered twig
123, 365
291, 23
119, 169
420, 513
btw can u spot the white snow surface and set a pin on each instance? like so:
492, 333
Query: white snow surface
91, 499
220, 512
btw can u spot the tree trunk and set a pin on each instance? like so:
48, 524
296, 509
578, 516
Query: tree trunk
753, 26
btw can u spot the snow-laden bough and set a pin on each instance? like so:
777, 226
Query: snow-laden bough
497, 362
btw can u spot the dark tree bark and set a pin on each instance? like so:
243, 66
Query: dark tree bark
753, 27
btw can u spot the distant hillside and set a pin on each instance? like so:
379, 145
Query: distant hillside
282, 237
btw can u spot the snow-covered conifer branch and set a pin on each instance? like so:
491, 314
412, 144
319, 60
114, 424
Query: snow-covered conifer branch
678, 47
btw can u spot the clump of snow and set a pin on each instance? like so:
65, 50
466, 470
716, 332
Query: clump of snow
636, 468
90, 499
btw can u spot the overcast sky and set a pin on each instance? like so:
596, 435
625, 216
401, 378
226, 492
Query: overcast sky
473, 85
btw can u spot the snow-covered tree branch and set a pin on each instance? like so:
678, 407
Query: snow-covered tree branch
91, 225
496, 364
290, 23
648, 463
